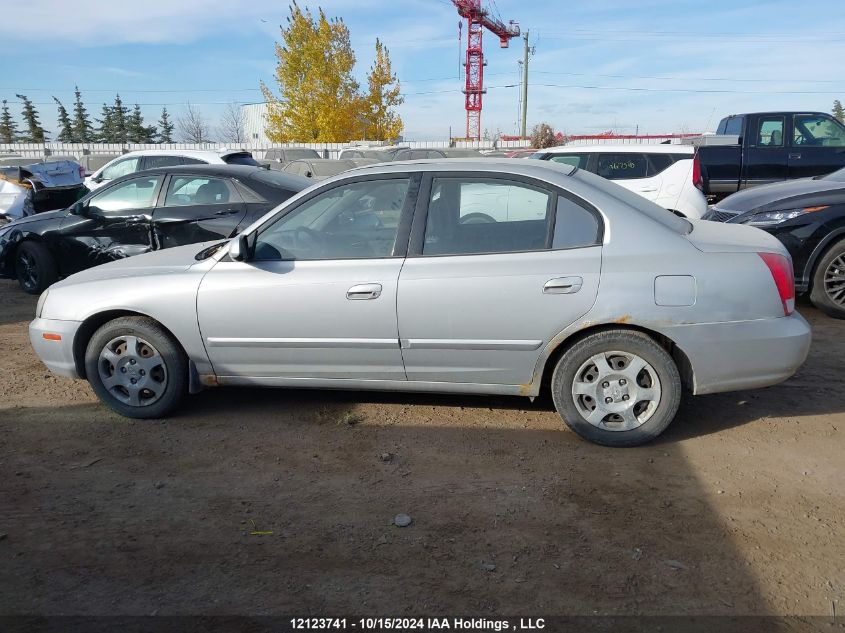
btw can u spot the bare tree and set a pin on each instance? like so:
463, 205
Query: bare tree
192, 126
231, 128
543, 136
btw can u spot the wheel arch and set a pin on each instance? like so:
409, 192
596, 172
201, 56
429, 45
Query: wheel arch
542, 381
92, 323
830, 240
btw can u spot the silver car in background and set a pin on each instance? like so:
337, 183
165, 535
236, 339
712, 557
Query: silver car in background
486, 276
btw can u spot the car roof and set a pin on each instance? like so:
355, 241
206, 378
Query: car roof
538, 168
620, 149
190, 153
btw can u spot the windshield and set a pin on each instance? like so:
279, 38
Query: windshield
296, 154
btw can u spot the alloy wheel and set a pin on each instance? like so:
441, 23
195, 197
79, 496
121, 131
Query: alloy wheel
834, 280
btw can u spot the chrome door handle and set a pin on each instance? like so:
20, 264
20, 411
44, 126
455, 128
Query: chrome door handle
794, 156
227, 212
364, 291
563, 285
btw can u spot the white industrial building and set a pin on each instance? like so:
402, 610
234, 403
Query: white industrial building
254, 117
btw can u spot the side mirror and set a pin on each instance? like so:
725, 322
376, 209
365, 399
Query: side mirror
239, 248
77, 208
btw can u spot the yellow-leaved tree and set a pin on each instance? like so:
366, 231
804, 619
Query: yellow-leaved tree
318, 96
385, 94
319, 99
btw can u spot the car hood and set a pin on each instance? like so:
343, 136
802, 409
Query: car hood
38, 217
784, 195
164, 262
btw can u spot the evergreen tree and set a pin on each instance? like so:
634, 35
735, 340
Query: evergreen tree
136, 130
105, 131
8, 127
120, 119
838, 111
34, 132
65, 126
165, 126
83, 131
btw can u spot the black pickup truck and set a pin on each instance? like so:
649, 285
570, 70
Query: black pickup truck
763, 147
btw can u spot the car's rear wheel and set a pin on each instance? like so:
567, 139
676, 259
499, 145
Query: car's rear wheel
136, 368
617, 388
828, 292
35, 267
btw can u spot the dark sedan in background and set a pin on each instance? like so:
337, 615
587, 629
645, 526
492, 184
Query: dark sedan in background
808, 216
138, 213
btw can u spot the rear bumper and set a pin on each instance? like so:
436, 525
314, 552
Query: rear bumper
57, 355
743, 354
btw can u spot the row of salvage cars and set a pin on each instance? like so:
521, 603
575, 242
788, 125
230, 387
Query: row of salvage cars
480, 275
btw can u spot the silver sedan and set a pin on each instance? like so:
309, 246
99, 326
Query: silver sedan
462, 276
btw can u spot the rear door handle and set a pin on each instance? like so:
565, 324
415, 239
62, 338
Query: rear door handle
647, 189
364, 291
563, 285
794, 156
227, 212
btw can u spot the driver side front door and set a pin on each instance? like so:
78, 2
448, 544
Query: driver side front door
317, 298
114, 223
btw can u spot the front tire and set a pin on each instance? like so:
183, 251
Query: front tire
35, 267
828, 293
617, 388
136, 368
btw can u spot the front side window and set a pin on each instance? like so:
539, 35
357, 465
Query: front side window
817, 130
622, 166
770, 132
138, 193
197, 190
121, 168
480, 215
352, 221
576, 160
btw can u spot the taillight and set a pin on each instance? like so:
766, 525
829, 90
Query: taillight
781, 269
697, 181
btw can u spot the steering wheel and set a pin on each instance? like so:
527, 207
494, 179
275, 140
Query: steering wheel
799, 139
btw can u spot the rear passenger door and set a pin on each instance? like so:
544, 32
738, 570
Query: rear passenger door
496, 268
197, 208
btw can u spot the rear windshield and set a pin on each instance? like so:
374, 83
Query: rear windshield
241, 158
646, 207
296, 154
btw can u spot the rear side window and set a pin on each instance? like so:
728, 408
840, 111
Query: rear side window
243, 158
770, 131
622, 166
187, 160
576, 160
198, 190
575, 226
469, 216
153, 162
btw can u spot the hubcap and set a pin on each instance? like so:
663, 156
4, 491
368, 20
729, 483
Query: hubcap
133, 371
28, 270
834, 280
616, 391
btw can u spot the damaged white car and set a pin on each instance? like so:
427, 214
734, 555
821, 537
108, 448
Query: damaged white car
28, 187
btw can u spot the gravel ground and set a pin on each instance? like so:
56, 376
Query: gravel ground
270, 502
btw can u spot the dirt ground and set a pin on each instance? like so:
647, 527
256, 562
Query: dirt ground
738, 509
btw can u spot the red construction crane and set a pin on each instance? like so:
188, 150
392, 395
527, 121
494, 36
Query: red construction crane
479, 19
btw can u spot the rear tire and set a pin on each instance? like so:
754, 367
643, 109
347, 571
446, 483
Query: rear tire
136, 368
617, 388
35, 267
828, 291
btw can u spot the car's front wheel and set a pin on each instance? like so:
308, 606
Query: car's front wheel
617, 388
136, 367
828, 293
35, 267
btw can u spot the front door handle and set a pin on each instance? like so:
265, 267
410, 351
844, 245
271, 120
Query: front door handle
364, 291
647, 189
227, 212
563, 285
794, 156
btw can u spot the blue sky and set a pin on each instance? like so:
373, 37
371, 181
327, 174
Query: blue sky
653, 65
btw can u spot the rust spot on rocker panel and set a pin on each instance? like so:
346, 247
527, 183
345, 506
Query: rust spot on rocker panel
209, 380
